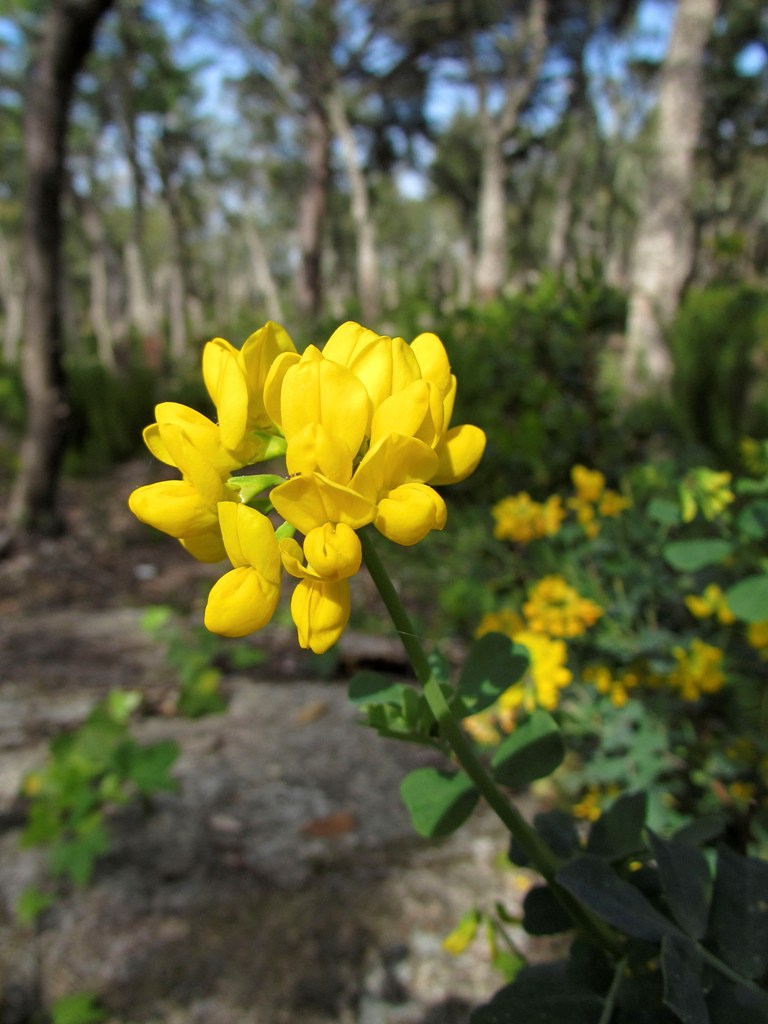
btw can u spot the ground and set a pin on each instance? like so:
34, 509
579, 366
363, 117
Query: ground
281, 881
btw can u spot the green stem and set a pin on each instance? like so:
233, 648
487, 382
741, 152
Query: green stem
613, 991
539, 852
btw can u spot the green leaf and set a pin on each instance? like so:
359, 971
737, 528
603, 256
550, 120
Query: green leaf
251, 485
438, 802
681, 965
120, 704
592, 880
543, 914
533, 750
739, 917
686, 882
155, 617
33, 901
730, 1002
493, 664
76, 857
618, 832
543, 994
664, 511
748, 599
691, 555
80, 1008
150, 767
369, 688
752, 521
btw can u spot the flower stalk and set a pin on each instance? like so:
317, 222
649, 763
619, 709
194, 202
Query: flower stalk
539, 852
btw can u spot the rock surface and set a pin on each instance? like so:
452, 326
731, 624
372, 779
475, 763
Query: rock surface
282, 881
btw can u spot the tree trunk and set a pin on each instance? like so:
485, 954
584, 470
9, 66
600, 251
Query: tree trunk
663, 249
99, 312
65, 38
367, 264
491, 266
312, 207
262, 274
11, 299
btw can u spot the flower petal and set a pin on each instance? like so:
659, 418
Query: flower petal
347, 341
385, 366
333, 551
314, 448
202, 433
273, 386
249, 538
173, 506
433, 360
241, 602
459, 452
320, 610
312, 500
409, 512
224, 376
392, 461
317, 390
258, 354
205, 547
416, 411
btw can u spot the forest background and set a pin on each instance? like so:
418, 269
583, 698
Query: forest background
574, 197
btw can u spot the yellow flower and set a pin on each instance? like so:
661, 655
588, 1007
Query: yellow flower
365, 429
506, 620
244, 599
757, 637
698, 670
546, 675
556, 609
588, 483
706, 490
520, 518
585, 513
711, 602
188, 508
613, 504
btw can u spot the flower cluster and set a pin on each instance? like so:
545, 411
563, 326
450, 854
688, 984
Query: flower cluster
364, 426
698, 670
616, 685
556, 609
711, 603
521, 519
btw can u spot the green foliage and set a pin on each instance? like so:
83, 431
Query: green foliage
89, 771
196, 657
531, 371
80, 1008
717, 341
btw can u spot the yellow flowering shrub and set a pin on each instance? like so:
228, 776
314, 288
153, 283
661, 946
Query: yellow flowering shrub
365, 429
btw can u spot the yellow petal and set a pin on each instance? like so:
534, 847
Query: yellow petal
194, 465
241, 602
392, 461
273, 386
416, 411
409, 512
314, 448
205, 547
173, 506
293, 559
249, 538
385, 366
333, 550
312, 500
433, 361
258, 354
321, 611
347, 341
459, 452
203, 434
321, 391
224, 376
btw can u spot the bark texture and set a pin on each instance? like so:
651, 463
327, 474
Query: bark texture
663, 249
66, 34
312, 208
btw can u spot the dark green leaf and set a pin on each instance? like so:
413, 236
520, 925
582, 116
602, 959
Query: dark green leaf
492, 666
691, 555
542, 914
367, 688
533, 750
32, 902
685, 881
593, 881
753, 519
748, 599
543, 994
558, 830
618, 832
438, 802
739, 918
76, 857
729, 1002
80, 1008
681, 966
